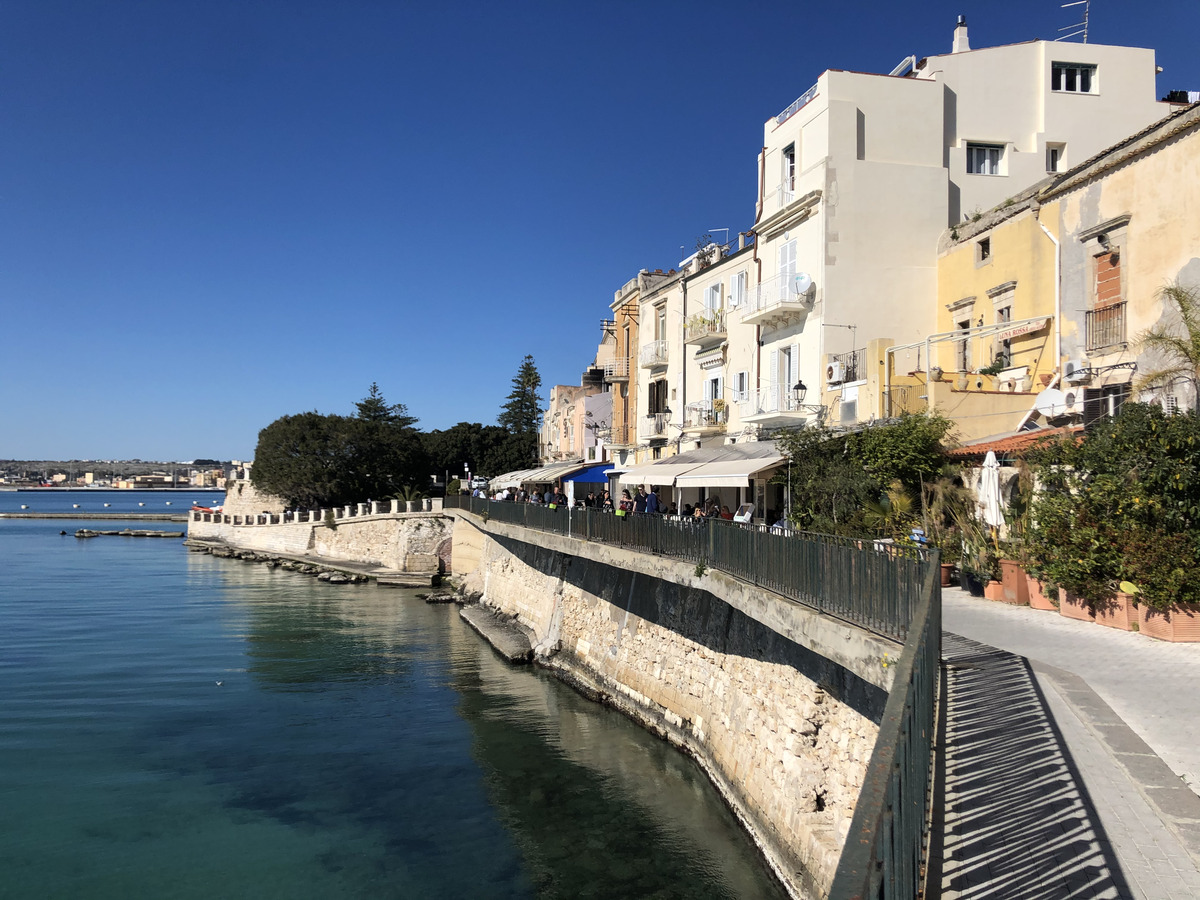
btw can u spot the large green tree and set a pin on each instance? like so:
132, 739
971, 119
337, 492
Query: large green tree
521, 418
315, 460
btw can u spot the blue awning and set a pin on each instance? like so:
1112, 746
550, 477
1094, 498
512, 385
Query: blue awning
596, 474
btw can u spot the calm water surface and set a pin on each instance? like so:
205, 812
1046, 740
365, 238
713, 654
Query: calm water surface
360, 744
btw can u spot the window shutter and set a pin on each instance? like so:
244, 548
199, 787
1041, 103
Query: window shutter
774, 367
794, 375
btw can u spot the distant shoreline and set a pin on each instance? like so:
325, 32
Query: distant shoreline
147, 517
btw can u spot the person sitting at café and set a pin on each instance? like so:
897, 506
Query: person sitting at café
726, 514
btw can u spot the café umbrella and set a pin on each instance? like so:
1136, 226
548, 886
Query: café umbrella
990, 509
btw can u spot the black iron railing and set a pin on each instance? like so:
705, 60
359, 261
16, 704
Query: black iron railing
882, 858
869, 583
1105, 327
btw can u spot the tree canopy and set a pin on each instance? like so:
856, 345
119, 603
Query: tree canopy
850, 483
314, 460
521, 418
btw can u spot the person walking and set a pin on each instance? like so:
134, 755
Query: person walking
639, 502
652, 506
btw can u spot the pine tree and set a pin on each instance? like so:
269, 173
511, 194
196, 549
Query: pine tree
373, 408
521, 416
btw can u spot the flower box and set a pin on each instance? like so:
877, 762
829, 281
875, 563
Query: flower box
1121, 612
1012, 577
1074, 607
1037, 594
1182, 623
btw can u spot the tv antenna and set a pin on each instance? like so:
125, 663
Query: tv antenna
1080, 27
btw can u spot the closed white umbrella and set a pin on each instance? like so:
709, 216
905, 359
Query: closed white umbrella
570, 494
990, 509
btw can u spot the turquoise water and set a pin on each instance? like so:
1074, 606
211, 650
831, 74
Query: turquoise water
360, 743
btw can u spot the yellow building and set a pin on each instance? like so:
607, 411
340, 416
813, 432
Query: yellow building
1041, 299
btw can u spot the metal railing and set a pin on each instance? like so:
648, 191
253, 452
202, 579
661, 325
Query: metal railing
869, 583
621, 435
616, 369
709, 324
654, 425
653, 354
882, 858
776, 398
1105, 326
853, 364
706, 414
902, 398
780, 290
797, 105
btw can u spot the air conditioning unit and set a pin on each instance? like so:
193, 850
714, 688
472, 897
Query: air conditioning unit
1076, 371
835, 373
1073, 404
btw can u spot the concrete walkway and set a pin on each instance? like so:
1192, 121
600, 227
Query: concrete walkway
1069, 752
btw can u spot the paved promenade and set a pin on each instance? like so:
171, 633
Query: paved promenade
1072, 756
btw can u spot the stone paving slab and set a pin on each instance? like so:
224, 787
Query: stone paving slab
1153, 686
1017, 823
1146, 812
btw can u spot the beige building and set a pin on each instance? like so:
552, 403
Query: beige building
575, 422
1041, 300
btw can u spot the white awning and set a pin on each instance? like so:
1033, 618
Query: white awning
728, 473
550, 474
660, 472
508, 479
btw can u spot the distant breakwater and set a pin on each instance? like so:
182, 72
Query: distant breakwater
141, 517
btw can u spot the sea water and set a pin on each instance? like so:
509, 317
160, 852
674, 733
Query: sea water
177, 725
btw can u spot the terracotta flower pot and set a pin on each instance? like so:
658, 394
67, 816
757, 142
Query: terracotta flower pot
947, 573
1121, 612
1012, 577
1074, 607
994, 590
1179, 624
1037, 594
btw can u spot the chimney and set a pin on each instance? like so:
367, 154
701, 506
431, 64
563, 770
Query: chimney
960, 36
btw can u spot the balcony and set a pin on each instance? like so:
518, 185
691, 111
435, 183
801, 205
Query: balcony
774, 407
621, 435
706, 327
654, 425
1105, 327
778, 302
653, 355
846, 367
617, 369
706, 415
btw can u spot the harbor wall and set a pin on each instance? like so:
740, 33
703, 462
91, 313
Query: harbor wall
778, 704
742, 684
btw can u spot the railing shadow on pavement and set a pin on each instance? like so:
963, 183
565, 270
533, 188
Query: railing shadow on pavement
1018, 821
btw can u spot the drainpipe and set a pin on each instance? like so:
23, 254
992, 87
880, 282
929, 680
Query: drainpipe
682, 367
1057, 293
757, 328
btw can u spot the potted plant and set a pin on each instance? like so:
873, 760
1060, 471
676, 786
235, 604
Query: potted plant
945, 503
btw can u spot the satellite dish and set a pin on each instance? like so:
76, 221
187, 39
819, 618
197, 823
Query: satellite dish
1051, 403
803, 282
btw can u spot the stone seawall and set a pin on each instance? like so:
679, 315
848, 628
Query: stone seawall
783, 731
408, 542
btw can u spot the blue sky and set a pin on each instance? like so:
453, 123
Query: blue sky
216, 213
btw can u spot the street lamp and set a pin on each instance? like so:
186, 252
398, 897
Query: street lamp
799, 392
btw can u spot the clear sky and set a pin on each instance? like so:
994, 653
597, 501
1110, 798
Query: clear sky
215, 213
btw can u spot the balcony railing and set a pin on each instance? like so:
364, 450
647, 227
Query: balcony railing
778, 296
654, 425
621, 435
777, 398
796, 105
706, 414
705, 326
653, 354
617, 369
851, 366
903, 398
1105, 326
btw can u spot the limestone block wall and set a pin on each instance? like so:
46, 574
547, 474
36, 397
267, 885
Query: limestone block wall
410, 542
243, 499
783, 733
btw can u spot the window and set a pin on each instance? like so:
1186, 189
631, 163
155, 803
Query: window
789, 168
658, 397
984, 159
737, 289
1108, 278
1056, 157
787, 270
964, 347
712, 298
741, 385
660, 324
983, 250
1004, 347
1072, 78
